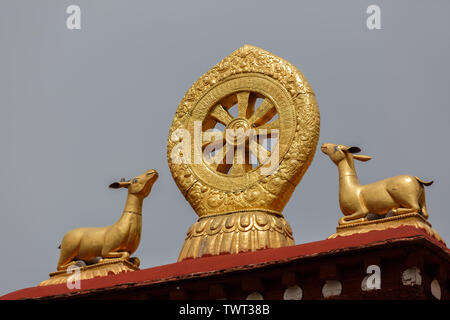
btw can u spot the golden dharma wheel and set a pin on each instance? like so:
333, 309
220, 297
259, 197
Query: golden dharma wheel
238, 184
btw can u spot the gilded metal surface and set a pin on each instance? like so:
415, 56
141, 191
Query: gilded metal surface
101, 269
410, 219
237, 190
119, 240
235, 232
390, 202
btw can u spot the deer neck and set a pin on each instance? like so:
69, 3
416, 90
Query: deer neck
133, 204
347, 174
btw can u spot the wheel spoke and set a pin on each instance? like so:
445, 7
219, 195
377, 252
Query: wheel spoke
241, 166
251, 106
267, 128
208, 123
224, 167
264, 113
237, 169
216, 142
229, 101
261, 153
275, 124
220, 114
242, 98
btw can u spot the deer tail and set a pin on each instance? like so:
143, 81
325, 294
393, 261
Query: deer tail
59, 247
425, 183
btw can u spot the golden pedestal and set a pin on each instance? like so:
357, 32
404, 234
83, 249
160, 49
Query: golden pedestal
236, 232
100, 269
410, 219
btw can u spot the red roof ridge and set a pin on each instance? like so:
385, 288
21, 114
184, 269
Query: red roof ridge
230, 262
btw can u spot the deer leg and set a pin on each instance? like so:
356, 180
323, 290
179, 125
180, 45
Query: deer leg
110, 247
424, 210
354, 217
66, 257
423, 206
118, 255
408, 202
65, 266
400, 211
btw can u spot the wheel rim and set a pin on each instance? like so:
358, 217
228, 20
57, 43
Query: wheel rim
275, 112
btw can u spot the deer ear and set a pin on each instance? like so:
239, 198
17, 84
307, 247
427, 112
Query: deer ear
121, 184
353, 150
114, 185
360, 157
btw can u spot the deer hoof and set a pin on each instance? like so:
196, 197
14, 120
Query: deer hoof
390, 214
372, 216
80, 264
96, 260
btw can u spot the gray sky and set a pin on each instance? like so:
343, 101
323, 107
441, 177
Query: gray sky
80, 109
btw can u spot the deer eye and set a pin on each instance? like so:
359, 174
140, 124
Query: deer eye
135, 180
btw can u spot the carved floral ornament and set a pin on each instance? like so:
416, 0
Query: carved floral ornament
267, 94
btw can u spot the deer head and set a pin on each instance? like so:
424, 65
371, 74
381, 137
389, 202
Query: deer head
140, 185
339, 152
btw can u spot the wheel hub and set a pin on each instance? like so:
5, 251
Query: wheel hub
236, 131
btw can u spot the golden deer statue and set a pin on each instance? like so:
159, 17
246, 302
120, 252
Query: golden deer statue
119, 240
392, 196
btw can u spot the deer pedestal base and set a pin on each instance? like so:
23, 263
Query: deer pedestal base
410, 219
100, 269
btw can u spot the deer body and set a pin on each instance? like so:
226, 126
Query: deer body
119, 240
399, 195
